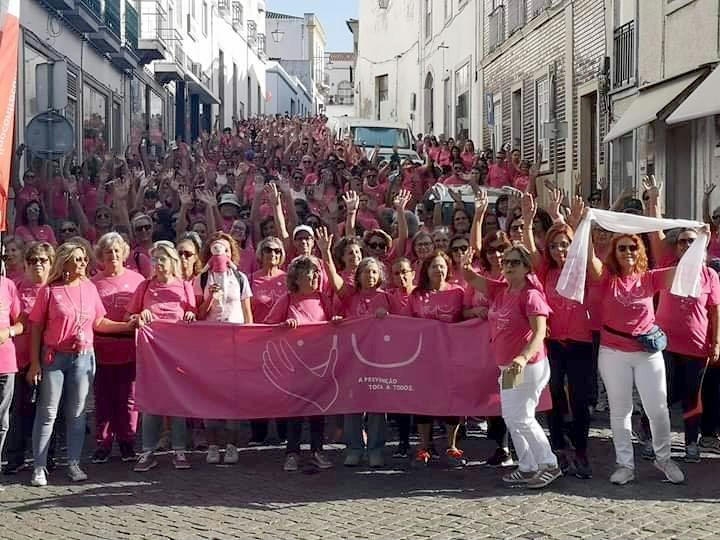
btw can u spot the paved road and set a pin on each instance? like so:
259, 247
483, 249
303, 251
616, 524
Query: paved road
256, 500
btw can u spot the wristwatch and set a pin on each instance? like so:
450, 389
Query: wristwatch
11, 332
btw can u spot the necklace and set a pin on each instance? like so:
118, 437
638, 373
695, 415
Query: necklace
79, 314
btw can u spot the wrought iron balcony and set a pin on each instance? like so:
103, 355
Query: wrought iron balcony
132, 26
112, 16
93, 5
624, 73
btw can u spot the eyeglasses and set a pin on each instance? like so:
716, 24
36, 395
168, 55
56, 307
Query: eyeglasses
377, 245
424, 245
632, 248
269, 250
80, 260
462, 248
559, 245
402, 272
512, 263
37, 260
686, 241
186, 254
68, 230
143, 228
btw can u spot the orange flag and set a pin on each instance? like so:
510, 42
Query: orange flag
9, 37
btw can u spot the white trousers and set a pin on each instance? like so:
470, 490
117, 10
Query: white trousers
518, 410
647, 370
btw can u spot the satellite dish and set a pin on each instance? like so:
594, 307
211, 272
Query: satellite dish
50, 136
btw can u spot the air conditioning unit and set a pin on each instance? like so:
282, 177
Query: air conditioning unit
192, 28
196, 69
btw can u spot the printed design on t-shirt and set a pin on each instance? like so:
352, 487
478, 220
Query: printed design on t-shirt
269, 295
500, 314
634, 299
438, 311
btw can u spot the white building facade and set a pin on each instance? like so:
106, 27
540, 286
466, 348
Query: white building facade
287, 94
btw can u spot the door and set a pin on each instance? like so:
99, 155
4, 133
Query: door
588, 150
679, 171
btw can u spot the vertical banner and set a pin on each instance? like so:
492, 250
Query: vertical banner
9, 38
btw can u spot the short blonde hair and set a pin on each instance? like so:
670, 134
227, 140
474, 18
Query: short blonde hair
168, 249
109, 240
270, 241
63, 255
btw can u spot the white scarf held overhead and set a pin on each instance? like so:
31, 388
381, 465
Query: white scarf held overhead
687, 276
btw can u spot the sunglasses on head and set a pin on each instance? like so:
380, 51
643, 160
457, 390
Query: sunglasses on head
632, 248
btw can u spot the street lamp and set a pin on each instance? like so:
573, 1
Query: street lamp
277, 34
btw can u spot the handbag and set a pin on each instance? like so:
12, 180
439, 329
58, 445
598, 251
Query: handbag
653, 341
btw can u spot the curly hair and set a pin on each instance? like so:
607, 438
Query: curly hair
487, 242
367, 261
611, 262
553, 232
301, 265
341, 247
234, 250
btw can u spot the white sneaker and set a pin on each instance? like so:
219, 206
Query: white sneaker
75, 473
622, 475
232, 455
671, 471
39, 477
213, 454
291, 463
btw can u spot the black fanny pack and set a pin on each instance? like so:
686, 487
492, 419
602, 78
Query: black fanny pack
654, 341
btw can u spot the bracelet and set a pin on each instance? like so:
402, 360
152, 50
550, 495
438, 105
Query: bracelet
11, 332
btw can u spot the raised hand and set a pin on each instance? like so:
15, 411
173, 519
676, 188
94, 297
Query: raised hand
529, 207
556, 199
271, 191
352, 201
70, 185
577, 211
121, 189
207, 196
481, 202
290, 374
324, 241
651, 186
185, 196
709, 188
402, 199
603, 183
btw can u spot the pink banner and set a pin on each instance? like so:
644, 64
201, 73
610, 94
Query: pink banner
400, 365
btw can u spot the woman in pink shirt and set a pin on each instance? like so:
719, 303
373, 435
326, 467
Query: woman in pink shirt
67, 313
32, 225
569, 346
139, 259
468, 155
628, 313
435, 298
39, 257
518, 325
165, 296
14, 261
304, 303
116, 417
692, 326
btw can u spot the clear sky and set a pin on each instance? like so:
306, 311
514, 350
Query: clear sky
332, 14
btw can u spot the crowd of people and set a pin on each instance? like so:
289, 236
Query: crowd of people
311, 229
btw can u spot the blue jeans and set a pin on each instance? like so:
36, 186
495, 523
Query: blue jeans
376, 427
152, 427
70, 376
7, 388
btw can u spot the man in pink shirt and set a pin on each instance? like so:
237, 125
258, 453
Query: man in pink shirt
498, 173
457, 177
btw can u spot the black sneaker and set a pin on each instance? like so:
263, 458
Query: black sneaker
51, 464
500, 458
565, 465
583, 470
434, 453
127, 452
13, 468
101, 455
402, 451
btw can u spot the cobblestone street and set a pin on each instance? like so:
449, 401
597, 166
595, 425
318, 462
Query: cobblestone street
257, 500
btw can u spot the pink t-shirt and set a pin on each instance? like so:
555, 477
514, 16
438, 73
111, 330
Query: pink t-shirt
498, 176
445, 305
714, 246
521, 182
509, 317
266, 291
38, 233
468, 159
9, 312
28, 292
400, 303
306, 309
69, 314
166, 301
366, 303
570, 320
685, 320
628, 307
116, 293
454, 181
139, 261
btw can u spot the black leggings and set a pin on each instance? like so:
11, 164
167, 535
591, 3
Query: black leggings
574, 360
685, 380
711, 402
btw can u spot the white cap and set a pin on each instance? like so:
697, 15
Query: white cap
305, 228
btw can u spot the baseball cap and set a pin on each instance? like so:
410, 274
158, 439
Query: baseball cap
301, 228
229, 198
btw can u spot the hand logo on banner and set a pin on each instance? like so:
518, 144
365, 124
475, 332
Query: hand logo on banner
290, 374
386, 338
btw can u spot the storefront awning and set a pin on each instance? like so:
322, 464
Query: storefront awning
648, 104
196, 86
704, 101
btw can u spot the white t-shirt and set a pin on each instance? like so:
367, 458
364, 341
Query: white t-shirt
229, 308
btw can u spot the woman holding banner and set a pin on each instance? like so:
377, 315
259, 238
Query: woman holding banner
66, 315
165, 296
518, 326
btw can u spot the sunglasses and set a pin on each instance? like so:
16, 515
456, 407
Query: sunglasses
512, 263
499, 248
37, 260
143, 228
273, 251
186, 254
377, 245
103, 216
686, 241
632, 248
80, 260
68, 230
462, 249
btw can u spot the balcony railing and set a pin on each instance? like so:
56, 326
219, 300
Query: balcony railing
179, 54
132, 28
624, 55
112, 16
94, 6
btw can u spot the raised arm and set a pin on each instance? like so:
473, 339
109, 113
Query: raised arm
707, 193
481, 205
352, 202
529, 209
324, 242
478, 281
400, 202
595, 266
652, 209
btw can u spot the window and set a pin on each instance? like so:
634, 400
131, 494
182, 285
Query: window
498, 127
237, 14
235, 89
428, 19
448, 9
205, 18
95, 133
462, 102
623, 164
542, 115
179, 6
496, 30
516, 15
156, 122
117, 127
138, 111
381, 83
33, 59
516, 122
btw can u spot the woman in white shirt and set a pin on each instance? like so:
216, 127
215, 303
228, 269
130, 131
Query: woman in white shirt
226, 298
